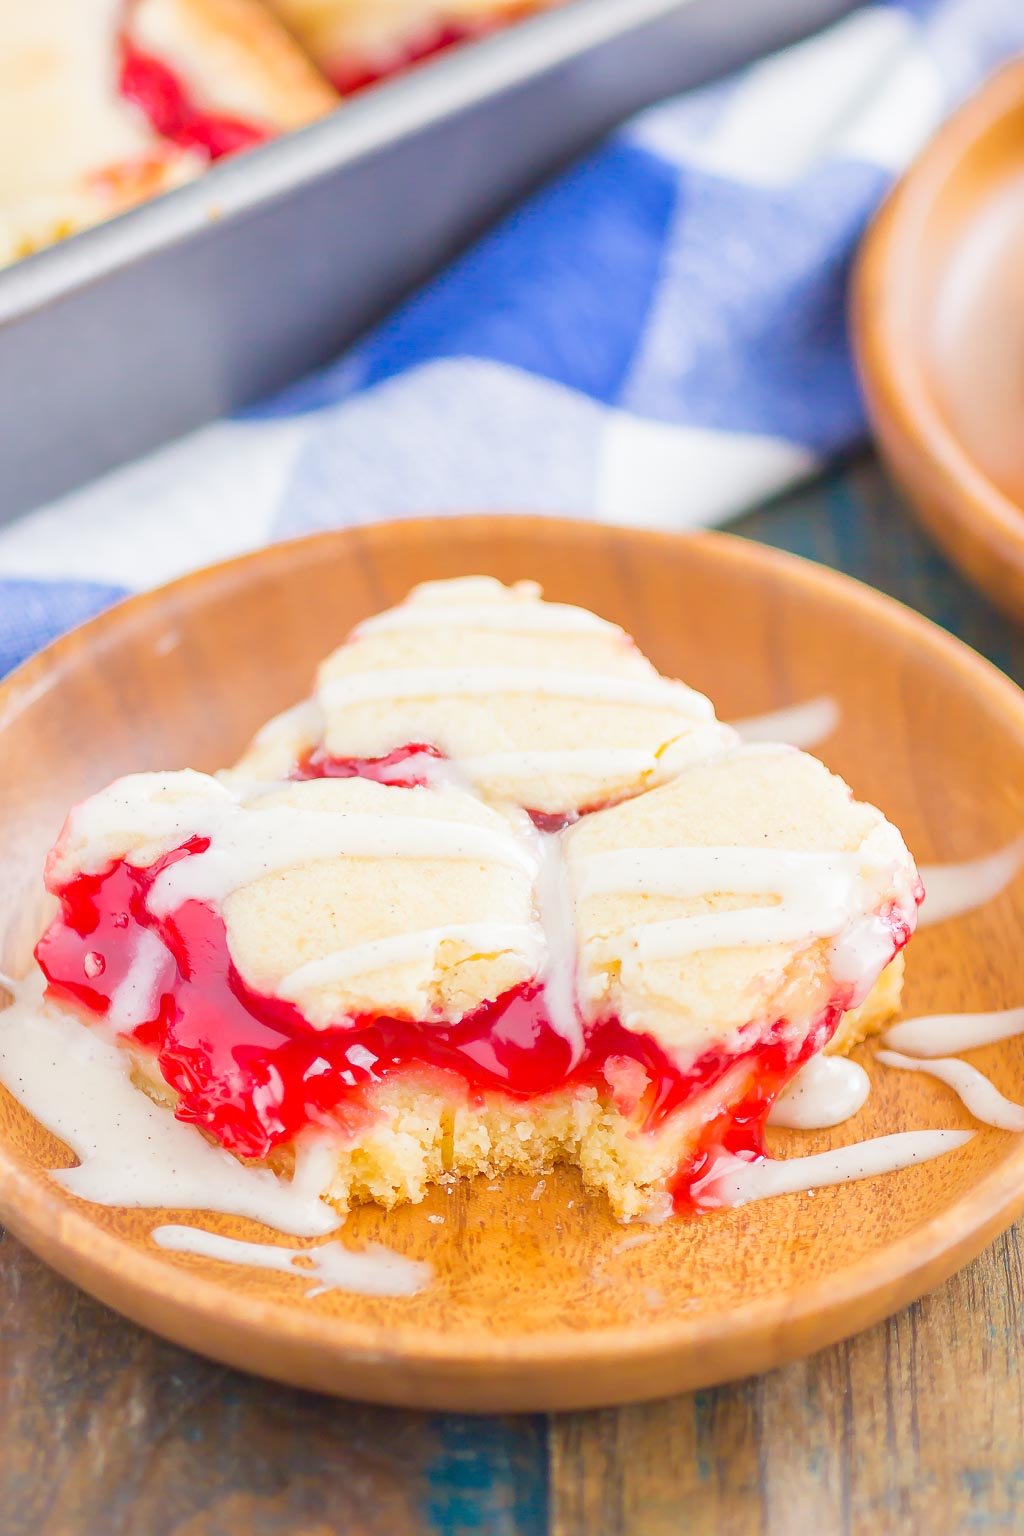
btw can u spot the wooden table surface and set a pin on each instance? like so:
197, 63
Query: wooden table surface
915, 1426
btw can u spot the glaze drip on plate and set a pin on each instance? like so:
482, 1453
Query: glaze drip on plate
957, 888
827, 1091
738, 1183
371, 1271
131, 1151
978, 1094
945, 1034
798, 725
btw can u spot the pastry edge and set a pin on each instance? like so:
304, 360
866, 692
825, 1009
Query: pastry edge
422, 1137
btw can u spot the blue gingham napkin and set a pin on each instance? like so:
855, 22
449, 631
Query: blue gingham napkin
658, 337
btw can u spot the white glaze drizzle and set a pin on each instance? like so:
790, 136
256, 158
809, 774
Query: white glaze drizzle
261, 841
151, 972
316, 1158
401, 683
132, 1152
799, 725
557, 917
595, 762
248, 842
786, 923
820, 895
405, 948
816, 891
660, 1209
953, 889
944, 1034
978, 1094
76, 1084
826, 1091
509, 618
735, 1182
864, 948
372, 1271
713, 740
694, 871
244, 788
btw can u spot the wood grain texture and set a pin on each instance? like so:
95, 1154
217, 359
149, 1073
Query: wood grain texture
105, 1423
109, 1431
916, 1424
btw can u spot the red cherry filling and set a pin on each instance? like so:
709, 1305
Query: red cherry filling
401, 769
390, 769
155, 88
555, 821
350, 73
251, 1071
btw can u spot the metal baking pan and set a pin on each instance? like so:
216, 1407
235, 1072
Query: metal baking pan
192, 305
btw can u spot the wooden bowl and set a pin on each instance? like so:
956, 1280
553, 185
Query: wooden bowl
535, 1304
938, 327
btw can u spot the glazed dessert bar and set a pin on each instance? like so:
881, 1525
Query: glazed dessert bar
109, 103
497, 896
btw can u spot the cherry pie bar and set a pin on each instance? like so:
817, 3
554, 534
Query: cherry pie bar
358, 42
497, 897
104, 103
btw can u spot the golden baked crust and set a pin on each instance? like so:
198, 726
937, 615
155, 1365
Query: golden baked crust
383, 34
236, 58
35, 220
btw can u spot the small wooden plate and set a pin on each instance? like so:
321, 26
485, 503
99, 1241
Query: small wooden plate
938, 323
536, 1305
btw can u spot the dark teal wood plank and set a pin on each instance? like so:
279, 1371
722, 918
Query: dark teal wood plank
855, 521
489, 1476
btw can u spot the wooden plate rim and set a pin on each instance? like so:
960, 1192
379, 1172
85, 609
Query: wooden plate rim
59, 1229
889, 363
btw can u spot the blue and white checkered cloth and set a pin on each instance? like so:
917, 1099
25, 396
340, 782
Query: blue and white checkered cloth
656, 338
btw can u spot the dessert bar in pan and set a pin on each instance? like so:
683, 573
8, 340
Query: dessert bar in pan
110, 103
287, 252
113, 101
